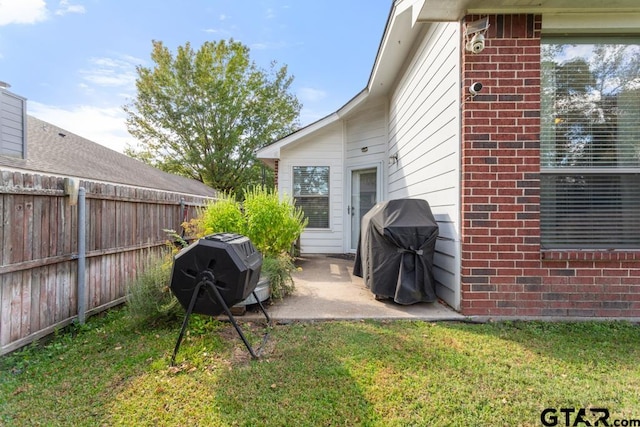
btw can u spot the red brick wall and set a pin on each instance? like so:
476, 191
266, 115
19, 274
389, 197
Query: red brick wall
504, 271
275, 173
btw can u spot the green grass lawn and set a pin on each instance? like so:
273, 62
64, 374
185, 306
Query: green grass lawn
368, 373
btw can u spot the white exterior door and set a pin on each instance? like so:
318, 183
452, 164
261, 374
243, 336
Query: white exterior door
365, 193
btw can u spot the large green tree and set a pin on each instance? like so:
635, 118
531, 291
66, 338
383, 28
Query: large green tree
203, 114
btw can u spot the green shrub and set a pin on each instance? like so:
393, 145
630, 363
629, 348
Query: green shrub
149, 298
223, 216
278, 270
272, 224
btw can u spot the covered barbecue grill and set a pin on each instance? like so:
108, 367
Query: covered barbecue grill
213, 274
395, 251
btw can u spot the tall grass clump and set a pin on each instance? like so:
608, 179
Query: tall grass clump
278, 269
149, 297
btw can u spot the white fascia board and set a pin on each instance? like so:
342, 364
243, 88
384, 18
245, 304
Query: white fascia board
353, 103
396, 44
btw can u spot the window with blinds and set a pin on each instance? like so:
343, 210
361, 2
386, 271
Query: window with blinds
590, 143
311, 193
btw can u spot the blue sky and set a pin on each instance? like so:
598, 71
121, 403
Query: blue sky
74, 60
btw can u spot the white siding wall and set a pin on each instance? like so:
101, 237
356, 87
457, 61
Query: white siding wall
324, 148
424, 127
12, 125
367, 128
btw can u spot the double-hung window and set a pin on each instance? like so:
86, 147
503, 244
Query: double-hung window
311, 193
590, 143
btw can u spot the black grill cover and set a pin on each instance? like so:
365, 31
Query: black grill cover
231, 258
395, 251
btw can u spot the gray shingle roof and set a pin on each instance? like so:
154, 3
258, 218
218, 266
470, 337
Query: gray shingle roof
55, 151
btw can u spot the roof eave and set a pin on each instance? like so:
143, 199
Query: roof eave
455, 10
398, 37
272, 151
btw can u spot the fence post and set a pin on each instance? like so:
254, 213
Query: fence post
82, 301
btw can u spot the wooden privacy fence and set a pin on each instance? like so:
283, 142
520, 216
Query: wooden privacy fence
39, 252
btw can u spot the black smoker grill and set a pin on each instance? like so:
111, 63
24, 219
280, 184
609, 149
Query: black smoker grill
395, 251
213, 274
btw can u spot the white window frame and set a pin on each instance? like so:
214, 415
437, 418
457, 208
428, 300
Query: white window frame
328, 195
623, 228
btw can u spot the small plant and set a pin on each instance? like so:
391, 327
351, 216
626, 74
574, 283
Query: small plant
175, 241
278, 270
200, 324
149, 298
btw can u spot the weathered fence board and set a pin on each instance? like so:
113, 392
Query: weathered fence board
39, 236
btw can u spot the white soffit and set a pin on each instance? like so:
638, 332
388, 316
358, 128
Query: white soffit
578, 23
397, 41
454, 10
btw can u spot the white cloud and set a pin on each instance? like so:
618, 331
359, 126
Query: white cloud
269, 45
110, 80
259, 46
105, 126
22, 11
223, 33
313, 107
33, 11
111, 72
307, 94
65, 7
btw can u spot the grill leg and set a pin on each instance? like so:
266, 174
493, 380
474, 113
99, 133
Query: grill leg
210, 282
262, 308
226, 309
185, 322
266, 334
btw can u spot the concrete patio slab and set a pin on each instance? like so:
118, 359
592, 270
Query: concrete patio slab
326, 289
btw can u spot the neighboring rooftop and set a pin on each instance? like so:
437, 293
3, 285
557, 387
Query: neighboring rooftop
55, 151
